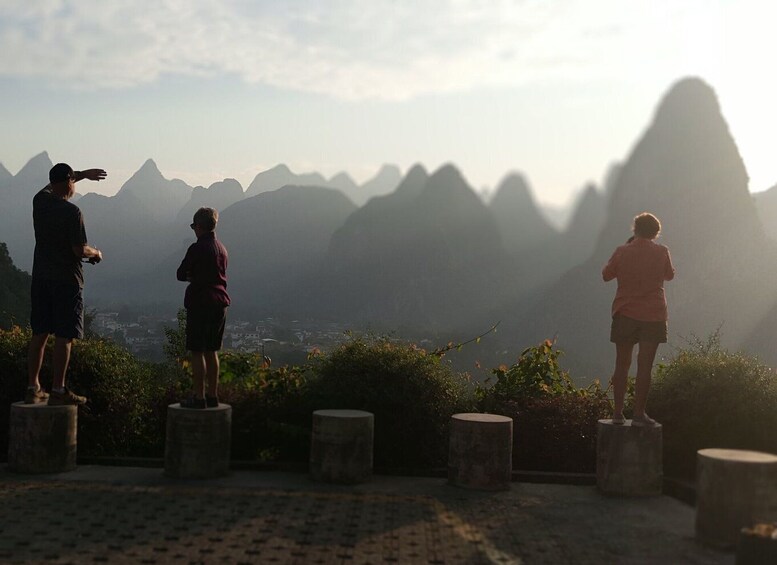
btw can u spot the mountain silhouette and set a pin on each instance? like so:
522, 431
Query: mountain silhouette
134, 229
5, 177
220, 195
277, 241
522, 225
16, 198
687, 170
423, 256
280, 176
766, 205
344, 183
588, 217
161, 198
384, 182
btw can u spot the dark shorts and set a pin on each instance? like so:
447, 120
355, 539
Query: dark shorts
629, 330
205, 328
57, 308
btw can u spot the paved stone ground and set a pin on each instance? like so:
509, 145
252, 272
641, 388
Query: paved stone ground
130, 515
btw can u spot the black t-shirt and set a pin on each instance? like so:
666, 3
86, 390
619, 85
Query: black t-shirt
58, 227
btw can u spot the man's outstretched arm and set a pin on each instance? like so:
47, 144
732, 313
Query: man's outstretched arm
90, 174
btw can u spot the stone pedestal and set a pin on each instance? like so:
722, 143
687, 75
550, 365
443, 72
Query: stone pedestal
734, 489
629, 459
341, 446
198, 442
480, 454
42, 438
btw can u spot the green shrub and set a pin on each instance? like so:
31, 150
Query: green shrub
536, 374
708, 397
119, 419
13, 376
556, 433
412, 394
271, 411
554, 422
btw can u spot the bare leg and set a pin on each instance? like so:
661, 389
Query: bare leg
645, 358
60, 361
212, 372
198, 373
35, 353
623, 353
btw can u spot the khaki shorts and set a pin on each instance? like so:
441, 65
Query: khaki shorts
629, 330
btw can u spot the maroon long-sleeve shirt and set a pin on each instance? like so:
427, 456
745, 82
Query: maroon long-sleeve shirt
205, 267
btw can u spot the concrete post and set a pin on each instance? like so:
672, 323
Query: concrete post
629, 459
341, 446
734, 489
42, 438
480, 454
198, 442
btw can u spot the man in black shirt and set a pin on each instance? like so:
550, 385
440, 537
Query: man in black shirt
58, 280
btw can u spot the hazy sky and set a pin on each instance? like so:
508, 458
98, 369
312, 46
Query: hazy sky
226, 88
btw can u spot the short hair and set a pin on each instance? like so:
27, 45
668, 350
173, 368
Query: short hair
206, 218
646, 225
61, 172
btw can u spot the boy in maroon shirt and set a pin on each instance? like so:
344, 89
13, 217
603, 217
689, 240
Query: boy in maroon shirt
206, 302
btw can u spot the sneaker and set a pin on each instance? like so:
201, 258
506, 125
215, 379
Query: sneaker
66, 398
35, 396
644, 421
193, 403
618, 419
211, 401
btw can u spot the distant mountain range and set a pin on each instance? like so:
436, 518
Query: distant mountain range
424, 252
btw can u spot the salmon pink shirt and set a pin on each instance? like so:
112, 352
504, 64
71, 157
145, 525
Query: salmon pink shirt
641, 268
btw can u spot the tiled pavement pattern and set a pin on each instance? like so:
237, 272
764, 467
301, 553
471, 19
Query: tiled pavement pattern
290, 520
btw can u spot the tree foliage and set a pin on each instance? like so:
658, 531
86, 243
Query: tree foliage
708, 397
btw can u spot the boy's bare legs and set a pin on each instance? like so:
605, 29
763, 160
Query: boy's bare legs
623, 352
35, 353
645, 358
60, 361
198, 373
212, 372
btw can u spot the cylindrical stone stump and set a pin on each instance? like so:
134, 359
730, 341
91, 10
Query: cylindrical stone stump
480, 454
341, 446
629, 459
42, 438
734, 489
198, 442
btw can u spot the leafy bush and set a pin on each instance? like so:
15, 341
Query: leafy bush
554, 422
556, 433
13, 368
708, 397
120, 418
412, 394
271, 412
536, 374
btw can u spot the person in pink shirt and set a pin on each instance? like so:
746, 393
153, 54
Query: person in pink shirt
639, 312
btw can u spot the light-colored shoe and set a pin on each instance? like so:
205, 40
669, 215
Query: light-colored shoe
66, 398
35, 396
618, 419
644, 421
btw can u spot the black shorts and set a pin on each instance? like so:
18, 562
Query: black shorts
57, 308
629, 330
205, 328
